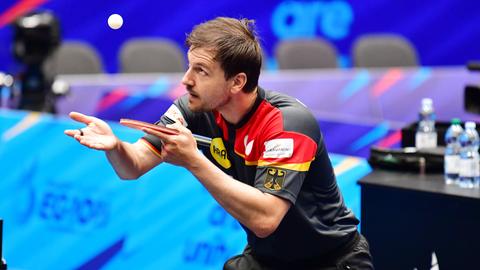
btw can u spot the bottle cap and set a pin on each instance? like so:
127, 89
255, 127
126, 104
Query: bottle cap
427, 105
456, 121
427, 102
470, 124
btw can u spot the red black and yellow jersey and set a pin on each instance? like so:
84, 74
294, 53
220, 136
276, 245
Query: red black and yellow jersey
278, 148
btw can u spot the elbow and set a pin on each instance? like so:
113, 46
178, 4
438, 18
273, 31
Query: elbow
265, 227
130, 176
263, 233
127, 178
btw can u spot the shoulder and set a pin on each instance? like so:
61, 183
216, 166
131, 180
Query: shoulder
295, 116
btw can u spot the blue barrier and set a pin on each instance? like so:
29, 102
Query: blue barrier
64, 207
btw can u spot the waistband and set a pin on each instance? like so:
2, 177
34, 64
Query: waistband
328, 259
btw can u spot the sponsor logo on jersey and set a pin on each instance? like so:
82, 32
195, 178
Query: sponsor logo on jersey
274, 179
219, 152
174, 113
278, 148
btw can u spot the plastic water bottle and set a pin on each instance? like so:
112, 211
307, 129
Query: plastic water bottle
452, 151
426, 135
469, 159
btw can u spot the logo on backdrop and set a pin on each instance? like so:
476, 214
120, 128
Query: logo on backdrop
24, 204
294, 19
56, 203
218, 243
66, 208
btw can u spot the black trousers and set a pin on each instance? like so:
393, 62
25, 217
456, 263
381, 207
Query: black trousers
357, 257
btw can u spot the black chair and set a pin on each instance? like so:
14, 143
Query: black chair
384, 50
306, 54
151, 55
74, 57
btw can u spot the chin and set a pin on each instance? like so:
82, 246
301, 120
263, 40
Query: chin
194, 107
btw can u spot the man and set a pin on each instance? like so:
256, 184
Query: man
267, 165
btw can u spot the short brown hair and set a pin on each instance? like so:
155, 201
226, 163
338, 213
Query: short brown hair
235, 44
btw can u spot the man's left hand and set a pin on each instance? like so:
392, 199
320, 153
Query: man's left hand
179, 149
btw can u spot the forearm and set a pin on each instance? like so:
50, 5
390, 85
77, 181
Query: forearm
249, 205
126, 160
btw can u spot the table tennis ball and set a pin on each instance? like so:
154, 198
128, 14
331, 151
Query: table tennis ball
115, 21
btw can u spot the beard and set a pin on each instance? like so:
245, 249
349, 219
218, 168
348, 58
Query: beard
197, 103
193, 95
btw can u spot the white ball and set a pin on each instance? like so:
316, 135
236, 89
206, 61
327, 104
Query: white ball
115, 21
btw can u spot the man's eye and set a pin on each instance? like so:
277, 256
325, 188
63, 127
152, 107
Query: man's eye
201, 71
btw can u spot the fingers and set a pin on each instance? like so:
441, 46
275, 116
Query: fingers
164, 137
72, 132
89, 142
180, 128
177, 125
80, 117
92, 123
78, 134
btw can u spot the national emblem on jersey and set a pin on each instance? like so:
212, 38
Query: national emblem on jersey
274, 179
219, 152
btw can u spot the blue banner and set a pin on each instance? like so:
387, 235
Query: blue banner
64, 207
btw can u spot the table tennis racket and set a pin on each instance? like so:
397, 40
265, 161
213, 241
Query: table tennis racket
136, 124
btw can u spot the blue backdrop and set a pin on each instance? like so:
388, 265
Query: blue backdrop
445, 32
64, 207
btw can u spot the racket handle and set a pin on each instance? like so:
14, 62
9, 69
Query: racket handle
202, 140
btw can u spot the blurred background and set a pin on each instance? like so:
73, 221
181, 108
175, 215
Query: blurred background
362, 67
444, 33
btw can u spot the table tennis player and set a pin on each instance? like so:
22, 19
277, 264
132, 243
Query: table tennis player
267, 164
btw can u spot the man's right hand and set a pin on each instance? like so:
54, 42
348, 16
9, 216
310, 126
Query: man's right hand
96, 135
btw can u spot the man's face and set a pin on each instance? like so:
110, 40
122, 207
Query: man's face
205, 82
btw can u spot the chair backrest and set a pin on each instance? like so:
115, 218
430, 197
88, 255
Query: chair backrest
151, 55
264, 58
306, 54
75, 57
384, 50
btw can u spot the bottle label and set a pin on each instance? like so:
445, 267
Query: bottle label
452, 164
425, 140
469, 168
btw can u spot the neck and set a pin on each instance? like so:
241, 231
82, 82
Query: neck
239, 106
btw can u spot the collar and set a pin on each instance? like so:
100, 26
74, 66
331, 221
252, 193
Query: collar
249, 114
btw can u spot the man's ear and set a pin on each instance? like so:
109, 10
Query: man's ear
238, 82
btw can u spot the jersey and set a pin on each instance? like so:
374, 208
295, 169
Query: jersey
278, 148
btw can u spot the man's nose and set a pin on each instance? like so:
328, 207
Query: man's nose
187, 80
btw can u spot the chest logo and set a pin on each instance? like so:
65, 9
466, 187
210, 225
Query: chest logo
219, 152
275, 179
248, 145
